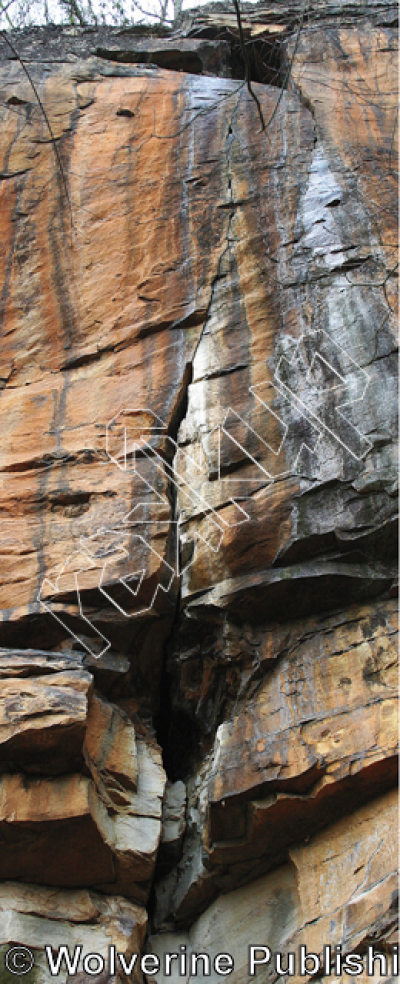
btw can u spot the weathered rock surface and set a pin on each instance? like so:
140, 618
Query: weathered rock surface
99, 826
305, 741
274, 284
198, 482
173, 827
38, 917
340, 885
43, 710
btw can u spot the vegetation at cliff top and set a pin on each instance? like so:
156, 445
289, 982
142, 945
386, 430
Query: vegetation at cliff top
16, 14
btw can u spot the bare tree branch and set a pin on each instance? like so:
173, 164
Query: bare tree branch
247, 63
265, 126
45, 116
72, 7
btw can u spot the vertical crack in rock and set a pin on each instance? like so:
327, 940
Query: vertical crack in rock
165, 723
228, 236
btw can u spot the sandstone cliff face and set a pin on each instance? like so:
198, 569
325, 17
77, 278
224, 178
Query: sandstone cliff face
198, 724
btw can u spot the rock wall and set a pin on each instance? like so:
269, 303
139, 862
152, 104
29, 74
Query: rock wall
198, 723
